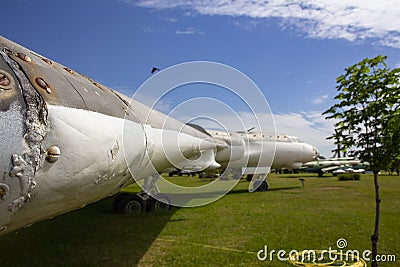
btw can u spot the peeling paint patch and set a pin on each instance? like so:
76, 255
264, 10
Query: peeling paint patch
103, 178
25, 173
114, 150
24, 167
4, 191
12, 127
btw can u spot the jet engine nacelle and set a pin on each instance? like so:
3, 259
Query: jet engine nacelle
235, 149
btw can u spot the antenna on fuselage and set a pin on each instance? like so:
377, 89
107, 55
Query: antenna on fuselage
154, 69
247, 131
251, 129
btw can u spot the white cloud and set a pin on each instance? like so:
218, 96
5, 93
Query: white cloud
248, 25
311, 127
189, 31
352, 20
146, 29
172, 20
319, 99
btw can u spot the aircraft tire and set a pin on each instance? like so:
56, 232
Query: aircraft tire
116, 207
159, 206
131, 204
261, 186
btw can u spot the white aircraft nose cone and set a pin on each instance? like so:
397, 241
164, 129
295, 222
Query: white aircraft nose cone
316, 152
311, 153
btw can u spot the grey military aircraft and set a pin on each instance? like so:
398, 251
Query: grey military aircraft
335, 166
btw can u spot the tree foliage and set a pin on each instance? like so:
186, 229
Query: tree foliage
367, 114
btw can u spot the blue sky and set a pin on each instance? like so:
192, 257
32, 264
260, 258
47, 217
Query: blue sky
293, 50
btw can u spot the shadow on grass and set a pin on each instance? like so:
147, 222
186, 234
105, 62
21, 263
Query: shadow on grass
300, 175
92, 236
241, 191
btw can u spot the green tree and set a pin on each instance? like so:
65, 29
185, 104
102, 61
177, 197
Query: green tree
367, 117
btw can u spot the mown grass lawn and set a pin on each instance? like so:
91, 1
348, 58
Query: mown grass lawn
228, 232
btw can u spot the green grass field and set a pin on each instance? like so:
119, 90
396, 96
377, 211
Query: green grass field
228, 232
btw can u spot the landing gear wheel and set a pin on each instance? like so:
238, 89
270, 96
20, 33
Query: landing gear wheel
159, 203
116, 207
131, 204
261, 186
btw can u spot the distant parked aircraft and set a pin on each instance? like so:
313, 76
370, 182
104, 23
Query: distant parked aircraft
249, 153
335, 166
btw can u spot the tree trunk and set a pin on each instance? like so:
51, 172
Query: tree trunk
375, 236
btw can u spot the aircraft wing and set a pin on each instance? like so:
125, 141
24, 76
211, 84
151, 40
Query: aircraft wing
331, 168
